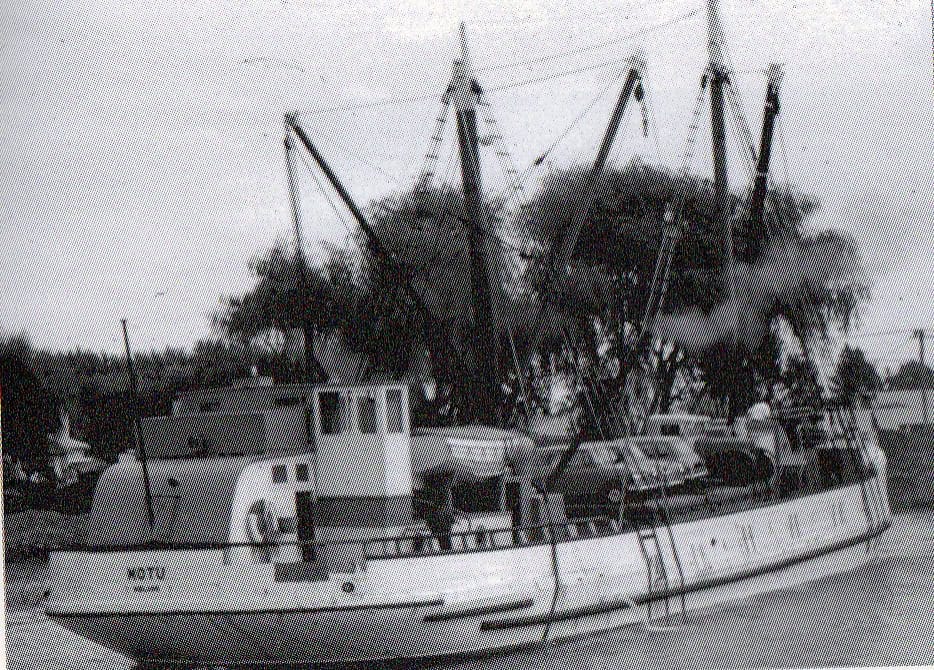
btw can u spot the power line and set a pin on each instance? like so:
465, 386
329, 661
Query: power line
883, 333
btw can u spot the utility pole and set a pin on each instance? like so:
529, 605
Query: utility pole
921, 335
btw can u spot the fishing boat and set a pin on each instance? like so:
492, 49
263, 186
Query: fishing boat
297, 524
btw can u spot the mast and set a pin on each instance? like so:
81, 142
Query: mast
563, 248
138, 431
718, 79
754, 228
433, 327
466, 92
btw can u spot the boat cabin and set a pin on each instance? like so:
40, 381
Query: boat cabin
279, 471
257, 463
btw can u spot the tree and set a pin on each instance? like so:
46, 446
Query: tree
30, 412
855, 376
812, 282
289, 294
425, 230
912, 375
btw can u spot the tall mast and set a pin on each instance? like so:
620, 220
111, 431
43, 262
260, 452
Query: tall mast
718, 78
466, 92
754, 228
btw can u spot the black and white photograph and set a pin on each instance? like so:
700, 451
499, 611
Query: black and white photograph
472, 335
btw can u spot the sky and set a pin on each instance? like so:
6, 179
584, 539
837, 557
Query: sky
141, 160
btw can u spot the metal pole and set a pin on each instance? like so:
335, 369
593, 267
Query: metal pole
140, 446
921, 334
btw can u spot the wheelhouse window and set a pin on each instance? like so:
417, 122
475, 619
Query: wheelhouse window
366, 415
395, 421
333, 412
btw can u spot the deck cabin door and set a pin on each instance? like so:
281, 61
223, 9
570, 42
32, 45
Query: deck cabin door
305, 524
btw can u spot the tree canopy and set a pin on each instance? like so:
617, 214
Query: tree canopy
803, 286
912, 375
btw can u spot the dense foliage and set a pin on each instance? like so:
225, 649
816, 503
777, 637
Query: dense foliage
743, 339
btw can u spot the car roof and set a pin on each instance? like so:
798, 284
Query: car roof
679, 417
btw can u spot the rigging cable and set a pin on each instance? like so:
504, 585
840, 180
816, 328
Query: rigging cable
591, 47
421, 97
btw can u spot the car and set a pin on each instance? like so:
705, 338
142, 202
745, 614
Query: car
674, 452
594, 477
649, 459
686, 426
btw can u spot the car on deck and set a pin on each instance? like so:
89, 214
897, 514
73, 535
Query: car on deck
674, 454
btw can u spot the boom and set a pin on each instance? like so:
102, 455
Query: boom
753, 227
563, 249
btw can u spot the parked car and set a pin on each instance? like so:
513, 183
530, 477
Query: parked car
674, 453
593, 477
686, 426
657, 467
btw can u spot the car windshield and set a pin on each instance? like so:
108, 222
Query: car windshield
658, 449
634, 455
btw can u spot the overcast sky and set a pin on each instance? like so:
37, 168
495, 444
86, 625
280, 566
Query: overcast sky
141, 159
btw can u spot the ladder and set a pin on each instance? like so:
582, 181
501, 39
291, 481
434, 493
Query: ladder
871, 483
842, 422
656, 569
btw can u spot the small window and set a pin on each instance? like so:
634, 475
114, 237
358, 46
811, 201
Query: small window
279, 474
287, 524
301, 472
395, 423
209, 406
289, 401
332, 412
366, 415
671, 430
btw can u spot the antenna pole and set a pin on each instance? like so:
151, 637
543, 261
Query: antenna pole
138, 431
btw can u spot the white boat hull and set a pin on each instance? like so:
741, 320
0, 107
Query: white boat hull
203, 611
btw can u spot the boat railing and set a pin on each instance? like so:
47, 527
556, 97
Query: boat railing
409, 544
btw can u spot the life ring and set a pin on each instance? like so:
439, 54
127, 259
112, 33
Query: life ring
261, 523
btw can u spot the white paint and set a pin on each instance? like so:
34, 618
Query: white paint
593, 571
